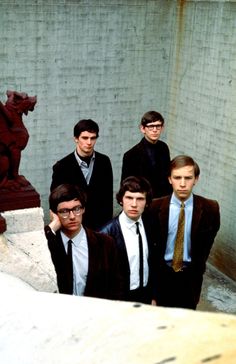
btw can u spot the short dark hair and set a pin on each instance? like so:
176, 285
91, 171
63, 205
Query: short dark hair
150, 117
66, 192
184, 160
86, 125
135, 184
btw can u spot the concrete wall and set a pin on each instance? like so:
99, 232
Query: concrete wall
112, 61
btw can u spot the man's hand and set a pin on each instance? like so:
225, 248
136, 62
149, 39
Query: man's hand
55, 223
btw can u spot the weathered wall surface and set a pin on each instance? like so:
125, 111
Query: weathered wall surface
201, 108
112, 61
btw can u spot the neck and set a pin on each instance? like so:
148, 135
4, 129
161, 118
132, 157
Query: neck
83, 154
151, 141
71, 234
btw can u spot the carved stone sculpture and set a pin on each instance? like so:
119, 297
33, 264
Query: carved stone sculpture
13, 137
14, 188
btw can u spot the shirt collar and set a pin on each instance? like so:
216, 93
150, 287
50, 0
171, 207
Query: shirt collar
174, 200
76, 239
129, 222
80, 161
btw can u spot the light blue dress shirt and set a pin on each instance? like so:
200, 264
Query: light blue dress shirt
80, 260
175, 205
86, 170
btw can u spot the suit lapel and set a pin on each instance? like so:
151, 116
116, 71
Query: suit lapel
78, 172
197, 214
164, 218
121, 244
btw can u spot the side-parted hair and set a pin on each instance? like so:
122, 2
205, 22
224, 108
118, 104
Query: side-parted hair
86, 125
135, 184
182, 161
150, 117
66, 192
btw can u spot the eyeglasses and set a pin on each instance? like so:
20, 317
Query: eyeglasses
154, 126
65, 213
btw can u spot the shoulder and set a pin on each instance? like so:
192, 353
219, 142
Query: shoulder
99, 238
160, 202
162, 145
68, 158
112, 226
135, 149
102, 158
208, 206
206, 203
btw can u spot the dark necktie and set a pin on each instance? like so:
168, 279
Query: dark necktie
140, 255
69, 255
177, 262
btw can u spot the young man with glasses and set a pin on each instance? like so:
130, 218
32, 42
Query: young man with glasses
149, 158
85, 261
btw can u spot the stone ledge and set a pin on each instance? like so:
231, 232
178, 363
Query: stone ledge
24, 250
52, 328
24, 220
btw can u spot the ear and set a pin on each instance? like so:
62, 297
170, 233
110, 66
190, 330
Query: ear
142, 128
75, 140
169, 179
196, 180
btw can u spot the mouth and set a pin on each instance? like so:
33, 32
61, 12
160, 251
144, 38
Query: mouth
73, 224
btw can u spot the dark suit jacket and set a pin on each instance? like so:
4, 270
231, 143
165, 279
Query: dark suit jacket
205, 224
103, 279
137, 162
113, 229
99, 207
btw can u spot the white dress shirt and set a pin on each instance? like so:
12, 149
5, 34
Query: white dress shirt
80, 260
175, 205
129, 231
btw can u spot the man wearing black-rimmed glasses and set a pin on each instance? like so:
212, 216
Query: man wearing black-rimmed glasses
150, 158
85, 261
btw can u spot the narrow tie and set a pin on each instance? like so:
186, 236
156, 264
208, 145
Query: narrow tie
177, 262
140, 242
69, 256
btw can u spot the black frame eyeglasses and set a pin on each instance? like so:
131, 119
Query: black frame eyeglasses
65, 213
154, 126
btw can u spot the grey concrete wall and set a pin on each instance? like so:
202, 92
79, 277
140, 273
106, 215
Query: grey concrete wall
114, 60
201, 108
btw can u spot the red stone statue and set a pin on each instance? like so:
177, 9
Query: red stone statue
13, 137
15, 191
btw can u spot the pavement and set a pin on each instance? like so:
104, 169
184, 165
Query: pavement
218, 292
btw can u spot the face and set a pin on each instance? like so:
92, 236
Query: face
152, 131
183, 180
71, 224
85, 143
133, 204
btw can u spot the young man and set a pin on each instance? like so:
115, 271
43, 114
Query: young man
90, 170
131, 236
85, 261
149, 158
185, 227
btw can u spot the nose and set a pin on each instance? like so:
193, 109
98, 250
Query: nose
71, 216
182, 182
134, 202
